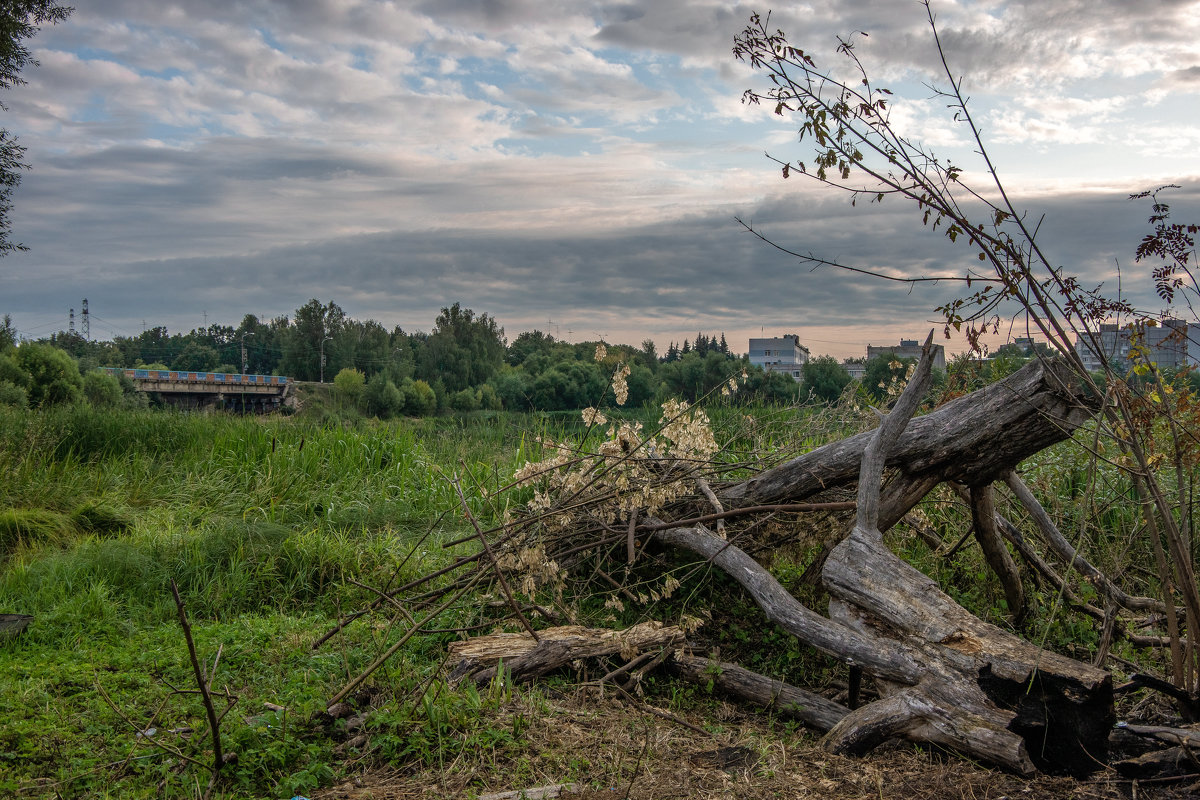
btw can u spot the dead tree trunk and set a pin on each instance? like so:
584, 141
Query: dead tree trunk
944, 676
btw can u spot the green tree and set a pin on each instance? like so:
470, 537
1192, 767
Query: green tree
463, 350
196, 357
102, 390
12, 372
514, 387
13, 395
53, 375
350, 384
382, 398
8, 334
19, 20
825, 378
420, 400
884, 374
305, 340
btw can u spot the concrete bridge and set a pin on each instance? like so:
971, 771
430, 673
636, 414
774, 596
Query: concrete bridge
198, 390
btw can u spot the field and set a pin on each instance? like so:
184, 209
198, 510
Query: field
273, 528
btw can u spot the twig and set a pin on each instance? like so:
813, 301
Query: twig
205, 690
487, 548
391, 651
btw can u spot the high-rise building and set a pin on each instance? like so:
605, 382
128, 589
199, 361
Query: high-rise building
1170, 344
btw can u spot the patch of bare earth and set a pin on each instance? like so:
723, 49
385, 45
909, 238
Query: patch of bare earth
606, 749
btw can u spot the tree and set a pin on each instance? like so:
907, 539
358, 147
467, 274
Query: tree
102, 390
420, 400
382, 398
19, 20
305, 340
8, 334
885, 375
350, 383
463, 349
825, 378
54, 377
196, 357
856, 149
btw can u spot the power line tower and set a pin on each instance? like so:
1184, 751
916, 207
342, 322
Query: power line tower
87, 325
71, 324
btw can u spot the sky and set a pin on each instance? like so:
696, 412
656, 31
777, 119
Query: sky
569, 166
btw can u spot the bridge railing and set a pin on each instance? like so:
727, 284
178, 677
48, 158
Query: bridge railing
184, 376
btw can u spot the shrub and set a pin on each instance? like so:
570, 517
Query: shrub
419, 399
53, 375
465, 400
382, 399
102, 390
13, 395
350, 383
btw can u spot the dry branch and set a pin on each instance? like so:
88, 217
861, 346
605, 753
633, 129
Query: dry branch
526, 658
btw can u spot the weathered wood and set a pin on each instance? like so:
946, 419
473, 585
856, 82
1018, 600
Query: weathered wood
983, 521
973, 439
893, 661
944, 675
1061, 709
525, 658
815, 711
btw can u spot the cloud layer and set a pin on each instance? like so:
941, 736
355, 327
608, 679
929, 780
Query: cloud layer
565, 163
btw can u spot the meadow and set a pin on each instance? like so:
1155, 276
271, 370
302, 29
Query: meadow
274, 528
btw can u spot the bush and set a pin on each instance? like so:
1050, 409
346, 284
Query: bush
419, 399
13, 395
465, 400
382, 399
53, 375
11, 372
350, 383
102, 390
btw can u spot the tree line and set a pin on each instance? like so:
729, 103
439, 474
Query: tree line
464, 363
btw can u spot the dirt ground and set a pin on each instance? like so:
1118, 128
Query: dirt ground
613, 750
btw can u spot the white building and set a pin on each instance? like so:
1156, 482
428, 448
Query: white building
782, 354
908, 348
1170, 344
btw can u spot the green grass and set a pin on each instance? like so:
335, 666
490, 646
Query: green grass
267, 524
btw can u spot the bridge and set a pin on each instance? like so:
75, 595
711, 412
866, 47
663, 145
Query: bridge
197, 390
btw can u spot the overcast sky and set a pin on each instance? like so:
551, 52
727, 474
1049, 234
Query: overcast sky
565, 165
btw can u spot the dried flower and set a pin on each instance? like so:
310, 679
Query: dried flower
601, 352
620, 386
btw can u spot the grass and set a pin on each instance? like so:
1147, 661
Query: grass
267, 525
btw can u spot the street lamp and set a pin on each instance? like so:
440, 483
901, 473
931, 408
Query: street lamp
323, 341
245, 365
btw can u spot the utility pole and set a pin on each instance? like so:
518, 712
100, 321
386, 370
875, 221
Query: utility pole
245, 365
323, 341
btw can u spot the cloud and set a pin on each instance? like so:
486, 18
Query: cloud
561, 159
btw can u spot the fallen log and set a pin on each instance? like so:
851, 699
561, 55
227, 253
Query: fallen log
525, 658
973, 439
944, 675
815, 711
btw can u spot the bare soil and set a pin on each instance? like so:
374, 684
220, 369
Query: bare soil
613, 750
